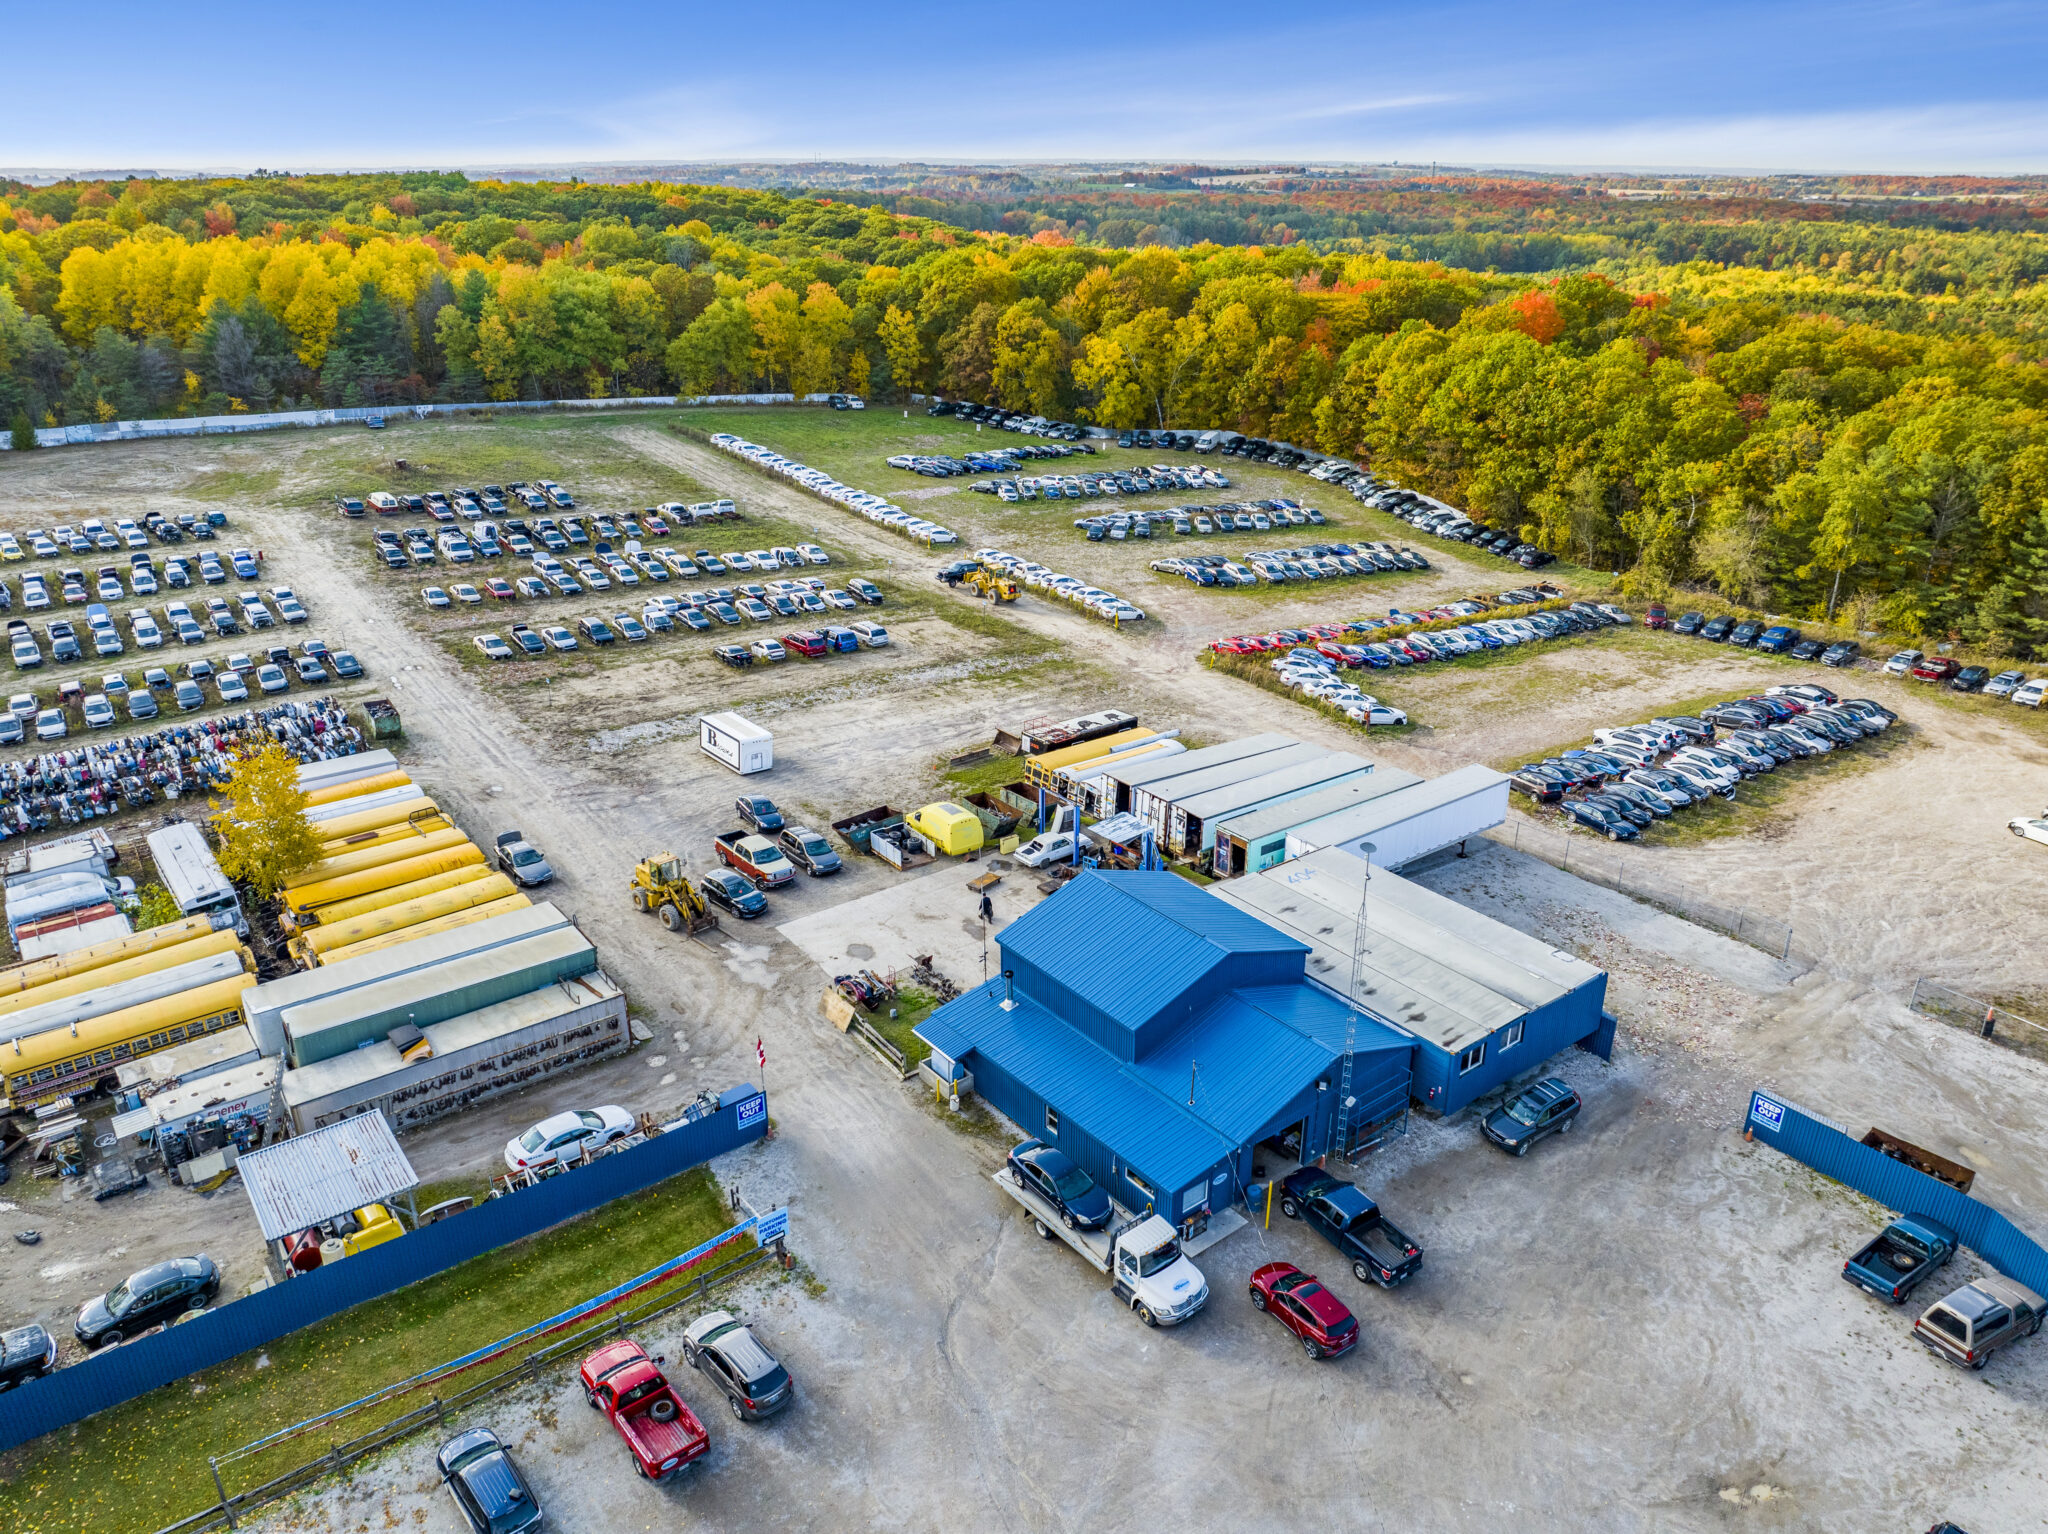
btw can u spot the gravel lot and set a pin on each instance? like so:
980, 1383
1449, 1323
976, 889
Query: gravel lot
1641, 1327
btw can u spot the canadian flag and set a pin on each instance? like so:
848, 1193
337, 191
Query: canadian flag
761, 1053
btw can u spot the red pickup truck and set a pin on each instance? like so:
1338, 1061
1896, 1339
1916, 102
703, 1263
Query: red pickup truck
621, 1381
757, 857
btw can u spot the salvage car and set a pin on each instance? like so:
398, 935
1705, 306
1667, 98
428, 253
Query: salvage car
1078, 1199
1980, 1318
567, 1136
154, 1294
621, 1380
488, 1489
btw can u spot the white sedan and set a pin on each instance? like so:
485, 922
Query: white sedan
567, 1136
1053, 847
2029, 830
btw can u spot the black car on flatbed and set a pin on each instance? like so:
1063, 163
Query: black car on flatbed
1374, 1246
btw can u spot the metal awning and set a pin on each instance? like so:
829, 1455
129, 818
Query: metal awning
314, 1177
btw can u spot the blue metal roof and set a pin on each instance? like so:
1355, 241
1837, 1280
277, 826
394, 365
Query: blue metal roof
1148, 1128
1317, 1014
1164, 936
1239, 1065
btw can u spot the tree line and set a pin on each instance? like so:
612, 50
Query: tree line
1806, 433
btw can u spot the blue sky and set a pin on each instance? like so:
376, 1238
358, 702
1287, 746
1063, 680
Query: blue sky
1795, 86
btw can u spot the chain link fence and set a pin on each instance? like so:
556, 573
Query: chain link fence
1986, 1019
1590, 859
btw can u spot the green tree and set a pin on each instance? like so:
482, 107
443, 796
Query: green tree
904, 348
22, 434
264, 834
155, 907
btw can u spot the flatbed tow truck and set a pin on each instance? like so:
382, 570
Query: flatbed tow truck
1141, 1257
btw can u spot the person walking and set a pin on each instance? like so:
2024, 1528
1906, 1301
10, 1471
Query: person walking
988, 909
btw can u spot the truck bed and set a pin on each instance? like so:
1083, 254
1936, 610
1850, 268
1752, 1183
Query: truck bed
659, 1441
1091, 1244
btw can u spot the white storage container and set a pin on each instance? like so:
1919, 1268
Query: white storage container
739, 743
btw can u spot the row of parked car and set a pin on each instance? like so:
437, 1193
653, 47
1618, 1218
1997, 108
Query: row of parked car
1230, 517
1636, 774
665, 614
1093, 600
73, 585
235, 680
400, 547
1075, 487
1313, 562
2015, 686
877, 510
462, 502
1314, 668
93, 534
1005, 420
222, 619
1001, 460
1386, 651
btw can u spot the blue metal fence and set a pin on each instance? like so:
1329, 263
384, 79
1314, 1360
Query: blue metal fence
250, 1322
1833, 1151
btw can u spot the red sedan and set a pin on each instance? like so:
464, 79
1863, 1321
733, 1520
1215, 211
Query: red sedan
1326, 1328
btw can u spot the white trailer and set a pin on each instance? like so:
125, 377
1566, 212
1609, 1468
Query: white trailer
1142, 1257
1423, 818
193, 875
739, 743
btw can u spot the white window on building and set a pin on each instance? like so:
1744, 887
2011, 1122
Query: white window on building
1514, 1035
1052, 1121
1472, 1058
1138, 1182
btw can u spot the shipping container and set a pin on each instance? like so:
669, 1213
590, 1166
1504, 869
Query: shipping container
264, 1006
1258, 839
1191, 825
739, 743
1153, 802
320, 1030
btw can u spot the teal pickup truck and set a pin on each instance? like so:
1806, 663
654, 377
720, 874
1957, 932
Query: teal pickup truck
1905, 1255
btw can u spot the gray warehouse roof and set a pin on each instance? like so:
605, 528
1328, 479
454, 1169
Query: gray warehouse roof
1255, 825
1435, 968
314, 1177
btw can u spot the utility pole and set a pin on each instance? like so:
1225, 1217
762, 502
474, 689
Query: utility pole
1340, 1138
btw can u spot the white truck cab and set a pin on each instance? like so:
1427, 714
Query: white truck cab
1142, 1257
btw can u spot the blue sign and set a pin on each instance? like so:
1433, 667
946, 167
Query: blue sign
773, 1226
1766, 1112
753, 1108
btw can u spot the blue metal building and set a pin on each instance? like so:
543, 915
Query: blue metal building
1157, 1035
1483, 1002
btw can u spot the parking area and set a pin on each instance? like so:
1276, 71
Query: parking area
1641, 1325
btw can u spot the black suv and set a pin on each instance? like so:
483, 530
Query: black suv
1745, 633
26, 1353
1842, 654
1715, 630
1546, 1108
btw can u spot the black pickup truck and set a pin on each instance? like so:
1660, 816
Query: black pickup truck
1374, 1246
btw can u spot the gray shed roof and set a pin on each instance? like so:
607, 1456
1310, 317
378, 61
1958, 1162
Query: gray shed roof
1437, 969
1147, 770
314, 1177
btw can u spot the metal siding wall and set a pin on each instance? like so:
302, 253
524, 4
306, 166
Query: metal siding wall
1833, 1152
1547, 1031
135, 1368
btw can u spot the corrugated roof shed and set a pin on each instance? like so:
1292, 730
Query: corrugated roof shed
1433, 967
1156, 769
314, 1177
1417, 799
